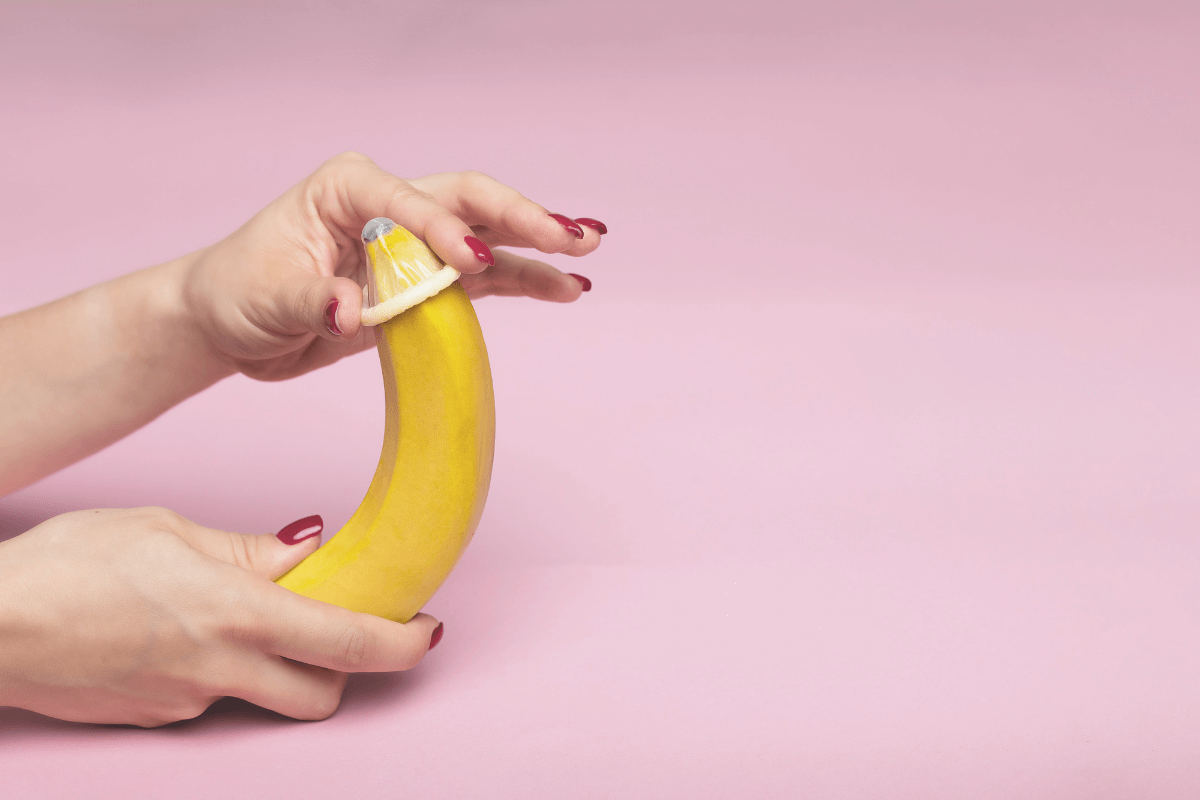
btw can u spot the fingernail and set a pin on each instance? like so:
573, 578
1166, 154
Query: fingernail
569, 224
600, 227
480, 250
437, 635
331, 317
302, 529
584, 282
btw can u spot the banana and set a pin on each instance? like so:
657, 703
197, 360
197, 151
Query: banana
431, 484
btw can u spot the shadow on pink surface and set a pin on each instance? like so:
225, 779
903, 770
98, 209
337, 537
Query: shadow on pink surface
228, 715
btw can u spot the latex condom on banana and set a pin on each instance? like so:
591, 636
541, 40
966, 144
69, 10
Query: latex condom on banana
429, 489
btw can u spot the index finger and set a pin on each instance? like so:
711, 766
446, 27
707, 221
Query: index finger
307, 630
350, 189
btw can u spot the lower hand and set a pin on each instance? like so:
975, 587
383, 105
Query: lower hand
142, 617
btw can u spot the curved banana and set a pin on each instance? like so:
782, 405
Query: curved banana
432, 480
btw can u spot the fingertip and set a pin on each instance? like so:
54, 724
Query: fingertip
421, 618
567, 290
342, 311
483, 253
436, 636
544, 232
301, 530
565, 287
587, 244
594, 224
570, 225
433, 627
295, 542
286, 557
455, 243
331, 320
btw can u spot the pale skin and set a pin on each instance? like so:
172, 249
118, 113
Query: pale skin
143, 617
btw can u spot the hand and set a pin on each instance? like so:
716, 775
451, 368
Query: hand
277, 298
282, 295
142, 617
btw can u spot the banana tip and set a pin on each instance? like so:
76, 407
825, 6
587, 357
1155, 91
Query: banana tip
376, 228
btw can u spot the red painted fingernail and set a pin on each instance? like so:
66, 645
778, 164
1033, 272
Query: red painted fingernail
437, 635
584, 282
569, 224
302, 529
480, 250
600, 227
331, 317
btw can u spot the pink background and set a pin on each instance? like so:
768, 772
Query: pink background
868, 469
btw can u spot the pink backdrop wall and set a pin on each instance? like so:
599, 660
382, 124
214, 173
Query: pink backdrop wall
868, 469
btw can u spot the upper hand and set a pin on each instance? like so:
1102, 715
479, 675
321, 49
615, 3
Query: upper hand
282, 295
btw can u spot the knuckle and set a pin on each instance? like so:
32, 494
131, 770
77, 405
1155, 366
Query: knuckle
71, 518
527, 280
472, 180
322, 704
241, 620
348, 157
62, 529
306, 308
163, 518
189, 709
353, 648
166, 713
333, 172
405, 194
239, 551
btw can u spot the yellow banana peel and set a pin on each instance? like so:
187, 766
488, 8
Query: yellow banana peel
431, 484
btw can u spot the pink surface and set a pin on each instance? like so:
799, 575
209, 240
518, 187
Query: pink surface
868, 469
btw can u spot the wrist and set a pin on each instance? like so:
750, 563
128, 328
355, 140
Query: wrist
173, 330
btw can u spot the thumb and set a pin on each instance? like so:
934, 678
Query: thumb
327, 306
268, 556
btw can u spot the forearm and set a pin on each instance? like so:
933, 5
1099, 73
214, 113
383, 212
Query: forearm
79, 373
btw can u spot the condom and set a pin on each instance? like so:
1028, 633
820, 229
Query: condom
402, 272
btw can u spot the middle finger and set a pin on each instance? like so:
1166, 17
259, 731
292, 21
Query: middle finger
507, 217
